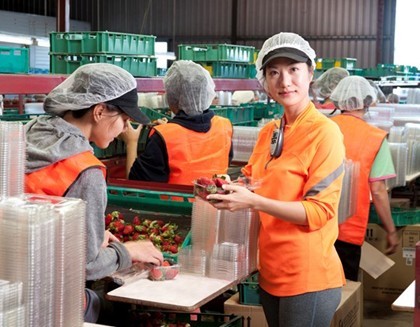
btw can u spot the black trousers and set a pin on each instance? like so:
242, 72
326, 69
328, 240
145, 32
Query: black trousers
350, 258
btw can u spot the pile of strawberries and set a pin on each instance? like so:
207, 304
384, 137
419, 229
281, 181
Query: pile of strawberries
204, 186
163, 235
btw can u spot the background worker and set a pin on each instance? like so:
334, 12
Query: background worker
353, 96
194, 143
94, 104
325, 84
299, 160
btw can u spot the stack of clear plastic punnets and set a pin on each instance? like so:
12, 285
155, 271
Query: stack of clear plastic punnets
12, 158
244, 139
348, 199
12, 310
410, 135
399, 152
42, 245
224, 243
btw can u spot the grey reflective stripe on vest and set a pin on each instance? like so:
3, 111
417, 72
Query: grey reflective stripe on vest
327, 181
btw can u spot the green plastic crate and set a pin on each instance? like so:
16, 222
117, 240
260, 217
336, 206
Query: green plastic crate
224, 69
347, 63
154, 201
102, 42
236, 114
142, 318
216, 52
138, 66
267, 110
400, 216
156, 113
14, 60
249, 291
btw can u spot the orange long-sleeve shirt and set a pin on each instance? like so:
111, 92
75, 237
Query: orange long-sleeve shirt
296, 259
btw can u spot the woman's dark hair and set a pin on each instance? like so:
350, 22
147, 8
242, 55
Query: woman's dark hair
80, 113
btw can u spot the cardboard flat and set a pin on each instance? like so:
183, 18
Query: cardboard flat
373, 261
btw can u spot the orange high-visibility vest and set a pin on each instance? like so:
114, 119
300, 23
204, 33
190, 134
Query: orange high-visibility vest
362, 142
193, 154
57, 178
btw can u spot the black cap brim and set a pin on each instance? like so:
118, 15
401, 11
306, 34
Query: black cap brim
128, 104
291, 53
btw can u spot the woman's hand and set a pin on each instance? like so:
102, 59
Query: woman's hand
144, 251
238, 198
108, 238
393, 242
131, 134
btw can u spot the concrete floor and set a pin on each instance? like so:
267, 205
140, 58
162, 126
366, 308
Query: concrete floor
380, 314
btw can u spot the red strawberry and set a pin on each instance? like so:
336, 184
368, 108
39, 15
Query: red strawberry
205, 181
156, 274
108, 219
166, 263
128, 230
136, 221
173, 249
141, 229
171, 273
219, 181
178, 239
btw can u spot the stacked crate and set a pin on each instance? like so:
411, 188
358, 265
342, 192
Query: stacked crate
221, 60
132, 52
14, 60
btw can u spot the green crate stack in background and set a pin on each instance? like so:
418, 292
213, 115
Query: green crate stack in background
221, 60
14, 60
133, 52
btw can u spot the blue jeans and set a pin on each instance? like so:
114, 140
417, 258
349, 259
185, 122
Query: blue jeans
315, 309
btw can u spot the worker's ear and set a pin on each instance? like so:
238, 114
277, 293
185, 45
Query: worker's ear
98, 112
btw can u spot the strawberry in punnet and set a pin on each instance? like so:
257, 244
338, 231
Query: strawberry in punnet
166, 263
171, 273
156, 274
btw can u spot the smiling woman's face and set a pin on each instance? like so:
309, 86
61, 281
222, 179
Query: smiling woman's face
288, 82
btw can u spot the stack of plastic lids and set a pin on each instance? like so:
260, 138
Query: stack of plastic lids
42, 245
244, 139
413, 95
397, 135
12, 310
12, 158
404, 113
399, 152
227, 240
348, 199
412, 132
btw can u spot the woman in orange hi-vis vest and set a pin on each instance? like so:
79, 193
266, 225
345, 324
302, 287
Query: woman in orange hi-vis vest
94, 104
353, 96
194, 143
300, 162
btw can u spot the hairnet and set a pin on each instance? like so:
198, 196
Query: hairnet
380, 96
284, 41
353, 93
326, 83
89, 85
189, 87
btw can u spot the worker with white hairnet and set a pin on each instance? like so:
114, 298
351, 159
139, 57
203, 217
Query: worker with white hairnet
299, 160
194, 143
325, 84
94, 104
367, 145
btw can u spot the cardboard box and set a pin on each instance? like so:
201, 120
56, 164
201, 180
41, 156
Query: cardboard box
348, 314
253, 314
394, 281
350, 310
